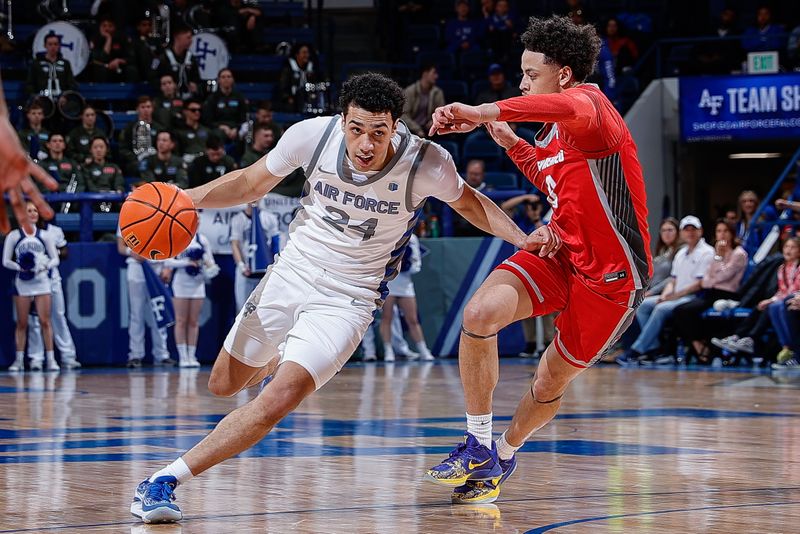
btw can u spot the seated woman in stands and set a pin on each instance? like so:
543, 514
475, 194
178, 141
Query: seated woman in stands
788, 283
721, 281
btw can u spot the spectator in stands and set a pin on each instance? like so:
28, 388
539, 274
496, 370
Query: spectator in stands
422, 97
264, 138
102, 175
793, 49
50, 73
501, 31
462, 33
731, 217
242, 25
80, 137
748, 205
192, 135
263, 115
765, 35
164, 165
111, 61
34, 137
777, 308
143, 51
724, 56
579, 13
211, 165
226, 108
168, 105
688, 268
476, 174
298, 71
65, 170
622, 48
720, 281
179, 61
137, 140
499, 88
793, 324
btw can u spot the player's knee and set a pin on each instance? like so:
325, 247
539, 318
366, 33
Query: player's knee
279, 402
481, 317
221, 387
545, 388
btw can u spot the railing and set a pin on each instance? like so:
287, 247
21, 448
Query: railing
751, 237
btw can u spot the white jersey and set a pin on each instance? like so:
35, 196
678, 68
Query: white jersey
215, 224
32, 256
356, 225
284, 208
242, 225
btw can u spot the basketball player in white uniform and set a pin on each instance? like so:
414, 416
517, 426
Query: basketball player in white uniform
367, 179
192, 268
241, 229
61, 334
141, 313
31, 255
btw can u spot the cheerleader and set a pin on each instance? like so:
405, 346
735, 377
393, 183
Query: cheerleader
401, 292
193, 268
243, 249
62, 337
32, 256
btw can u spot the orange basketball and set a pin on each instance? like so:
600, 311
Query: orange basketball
158, 221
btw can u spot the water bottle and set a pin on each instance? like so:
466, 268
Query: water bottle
434, 226
680, 353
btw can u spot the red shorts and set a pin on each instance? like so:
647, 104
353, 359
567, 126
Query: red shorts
588, 323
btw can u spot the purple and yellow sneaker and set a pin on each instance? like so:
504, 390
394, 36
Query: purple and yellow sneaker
468, 461
152, 502
484, 491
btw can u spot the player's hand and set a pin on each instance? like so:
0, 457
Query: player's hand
782, 204
15, 172
545, 240
502, 134
455, 118
793, 303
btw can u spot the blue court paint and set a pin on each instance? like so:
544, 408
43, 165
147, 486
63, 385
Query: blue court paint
553, 526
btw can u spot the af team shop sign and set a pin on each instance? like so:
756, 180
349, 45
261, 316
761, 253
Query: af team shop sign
731, 108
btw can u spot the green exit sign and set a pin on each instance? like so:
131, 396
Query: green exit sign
762, 62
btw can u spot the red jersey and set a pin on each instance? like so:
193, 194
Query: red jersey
585, 162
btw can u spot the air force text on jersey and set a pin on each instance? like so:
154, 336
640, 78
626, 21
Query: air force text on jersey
348, 198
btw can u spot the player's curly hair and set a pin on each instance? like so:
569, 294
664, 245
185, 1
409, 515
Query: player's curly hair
373, 92
564, 43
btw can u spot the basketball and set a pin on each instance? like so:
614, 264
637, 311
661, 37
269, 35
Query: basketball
158, 221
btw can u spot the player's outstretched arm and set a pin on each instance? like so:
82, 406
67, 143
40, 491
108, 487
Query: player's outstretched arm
237, 187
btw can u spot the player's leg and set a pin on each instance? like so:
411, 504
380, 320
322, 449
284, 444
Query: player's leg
193, 330
408, 305
23, 308
387, 314
238, 431
43, 309
180, 306
501, 300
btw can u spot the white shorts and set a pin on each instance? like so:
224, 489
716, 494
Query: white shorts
186, 286
38, 285
402, 286
301, 313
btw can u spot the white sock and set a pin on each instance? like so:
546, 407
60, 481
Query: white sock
388, 351
190, 350
480, 426
422, 347
20, 355
177, 469
504, 449
50, 355
182, 351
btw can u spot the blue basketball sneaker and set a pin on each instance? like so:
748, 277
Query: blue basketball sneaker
152, 502
484, 491
468, 461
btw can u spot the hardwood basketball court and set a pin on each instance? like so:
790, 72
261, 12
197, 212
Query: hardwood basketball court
633, 450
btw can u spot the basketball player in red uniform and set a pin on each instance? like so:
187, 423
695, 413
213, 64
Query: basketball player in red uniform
585, 161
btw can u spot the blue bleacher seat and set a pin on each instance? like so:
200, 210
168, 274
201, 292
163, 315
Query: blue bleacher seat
274, 35
454, 90
473, 64
480, 146
261, 63
114, 91
501, 180
282, 9
444, 61
104, 222
423, 37
477, 87
255, 91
